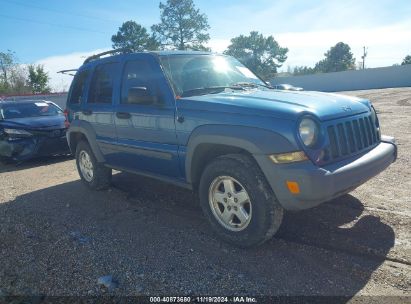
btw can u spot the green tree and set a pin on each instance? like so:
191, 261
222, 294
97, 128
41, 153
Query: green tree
407, 60
7, 64
132, 37
12, 74
321, 66
262, 55
38, 79
303, 70
182, 25
338, 58
18, 80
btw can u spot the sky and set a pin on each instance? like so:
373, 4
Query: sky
60, 34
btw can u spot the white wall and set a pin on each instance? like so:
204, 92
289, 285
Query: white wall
378, 78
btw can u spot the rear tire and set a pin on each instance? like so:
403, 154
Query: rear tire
238, 202
93, 174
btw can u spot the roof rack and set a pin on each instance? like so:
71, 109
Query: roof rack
67, 72
97, 56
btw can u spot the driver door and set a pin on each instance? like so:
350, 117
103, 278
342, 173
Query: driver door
145, 119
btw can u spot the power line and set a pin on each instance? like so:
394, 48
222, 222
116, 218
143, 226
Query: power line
58, 11
53, 24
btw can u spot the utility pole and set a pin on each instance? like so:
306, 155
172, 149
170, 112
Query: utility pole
363, 57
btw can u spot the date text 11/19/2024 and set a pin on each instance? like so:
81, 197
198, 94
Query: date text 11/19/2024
204, 299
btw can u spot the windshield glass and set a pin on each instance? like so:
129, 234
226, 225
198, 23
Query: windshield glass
192, 72
22, 110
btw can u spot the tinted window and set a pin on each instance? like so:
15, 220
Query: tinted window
78, 87
101, 89
138, 74
22, 110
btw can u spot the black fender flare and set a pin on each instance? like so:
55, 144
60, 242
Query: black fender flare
251, 139
87, 130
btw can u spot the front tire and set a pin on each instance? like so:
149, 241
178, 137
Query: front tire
238, 202
93, 174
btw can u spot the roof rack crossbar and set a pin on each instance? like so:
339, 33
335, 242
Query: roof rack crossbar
97, 56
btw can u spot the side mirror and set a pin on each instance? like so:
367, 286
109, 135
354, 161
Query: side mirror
140, 95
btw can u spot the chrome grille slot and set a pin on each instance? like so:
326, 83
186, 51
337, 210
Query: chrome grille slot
333, 142
368, 127
357, 135
343, 139
363, 133
373, 131
350, 134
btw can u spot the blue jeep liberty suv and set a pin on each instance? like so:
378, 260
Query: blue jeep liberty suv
205, 122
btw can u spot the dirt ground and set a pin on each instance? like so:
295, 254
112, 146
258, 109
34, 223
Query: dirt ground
58, 238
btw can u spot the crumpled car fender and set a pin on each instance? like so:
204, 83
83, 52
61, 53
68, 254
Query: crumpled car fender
20, 149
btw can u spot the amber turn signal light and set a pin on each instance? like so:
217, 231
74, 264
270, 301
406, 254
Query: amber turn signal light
293, 187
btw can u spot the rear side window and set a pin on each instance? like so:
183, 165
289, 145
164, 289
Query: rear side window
101, 89
138, 74
78, 87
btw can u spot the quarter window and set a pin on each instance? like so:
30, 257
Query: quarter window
78, 87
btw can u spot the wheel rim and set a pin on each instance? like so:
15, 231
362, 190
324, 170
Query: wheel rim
86, 166
230, 203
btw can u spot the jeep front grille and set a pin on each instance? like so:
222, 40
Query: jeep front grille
351, 137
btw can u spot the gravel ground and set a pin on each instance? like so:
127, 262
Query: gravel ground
59, 238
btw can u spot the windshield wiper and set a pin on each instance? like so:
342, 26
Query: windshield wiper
209, 90
250, 85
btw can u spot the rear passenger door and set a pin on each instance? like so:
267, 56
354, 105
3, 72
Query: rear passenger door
99, 108
145, 119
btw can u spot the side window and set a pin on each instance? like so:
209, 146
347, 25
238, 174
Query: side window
78, 87
139, 85
101, 89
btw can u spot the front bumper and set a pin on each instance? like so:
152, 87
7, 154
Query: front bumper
321, 184
36, 146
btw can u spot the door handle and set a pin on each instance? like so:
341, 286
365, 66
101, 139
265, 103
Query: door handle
87, 112
123, 115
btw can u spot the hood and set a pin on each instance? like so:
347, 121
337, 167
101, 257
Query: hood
35, 123
286, 104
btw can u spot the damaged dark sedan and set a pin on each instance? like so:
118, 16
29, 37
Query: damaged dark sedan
30, 129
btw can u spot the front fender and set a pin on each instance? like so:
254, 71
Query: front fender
253, 140
85, 128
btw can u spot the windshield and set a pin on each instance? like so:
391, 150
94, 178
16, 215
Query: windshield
22, 110
191, 73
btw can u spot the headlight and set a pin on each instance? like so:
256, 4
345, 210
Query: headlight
308, 132
17, 133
